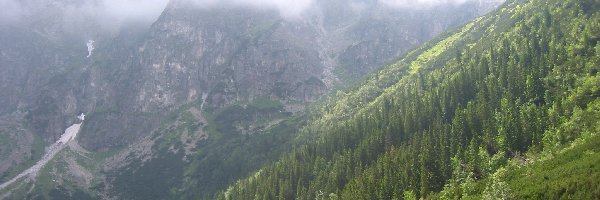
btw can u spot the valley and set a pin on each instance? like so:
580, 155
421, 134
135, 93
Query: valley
334, 99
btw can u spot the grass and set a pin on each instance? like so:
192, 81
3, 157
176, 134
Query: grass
37, 151
19, 189
266, 103
574, 174
258, 112
63, 188
152, 180
6, 143
438, 49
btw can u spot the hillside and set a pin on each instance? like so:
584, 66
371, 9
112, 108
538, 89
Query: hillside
181, 101
460, 117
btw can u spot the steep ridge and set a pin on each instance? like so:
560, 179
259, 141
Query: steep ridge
502, 91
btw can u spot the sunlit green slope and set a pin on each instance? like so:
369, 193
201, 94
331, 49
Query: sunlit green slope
460, 117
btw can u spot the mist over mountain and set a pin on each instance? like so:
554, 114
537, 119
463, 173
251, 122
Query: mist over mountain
102, 10
113, 12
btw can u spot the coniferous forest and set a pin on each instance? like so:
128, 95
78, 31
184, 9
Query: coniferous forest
505, 107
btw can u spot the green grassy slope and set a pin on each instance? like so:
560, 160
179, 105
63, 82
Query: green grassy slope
574, 174
239, 139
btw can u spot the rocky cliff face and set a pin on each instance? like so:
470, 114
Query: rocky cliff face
47, 78
235, 53
229, 53
37, 59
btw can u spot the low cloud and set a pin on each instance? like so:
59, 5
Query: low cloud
132, 10
10, 11
112, 11
286, 8
421, 4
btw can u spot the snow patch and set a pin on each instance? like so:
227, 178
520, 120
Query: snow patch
204, 96
90, 46
81, 117
69, 134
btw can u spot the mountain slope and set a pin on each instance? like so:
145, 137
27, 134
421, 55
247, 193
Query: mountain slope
519, 81
177, 97
572, 174
233, 58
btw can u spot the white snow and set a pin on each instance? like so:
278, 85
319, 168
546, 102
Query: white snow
81, 117
90, 46
69, 134
204, 96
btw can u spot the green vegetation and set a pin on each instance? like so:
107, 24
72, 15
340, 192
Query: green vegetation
62, 193
6, 143
464, 116
266, 103
37, 151
51, 184
241, 138
574, 174
219, 163
438, 49
152, 180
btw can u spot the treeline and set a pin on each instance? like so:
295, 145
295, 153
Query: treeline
521, 79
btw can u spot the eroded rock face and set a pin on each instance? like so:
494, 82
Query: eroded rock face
228, 53
237, 53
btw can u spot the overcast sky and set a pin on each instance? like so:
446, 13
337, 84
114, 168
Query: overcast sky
287, 8
10, 10
133, 9
421, 3
148, 10
116, 11
293, 8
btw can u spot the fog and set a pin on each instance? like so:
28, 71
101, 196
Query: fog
286, 8
132, 10
114, 13
105, 11
294, 8
421, 4
149, 10
10, 10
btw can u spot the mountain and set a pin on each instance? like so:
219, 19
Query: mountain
253, 74
505, 107
232, 53
182, 104
130, 63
